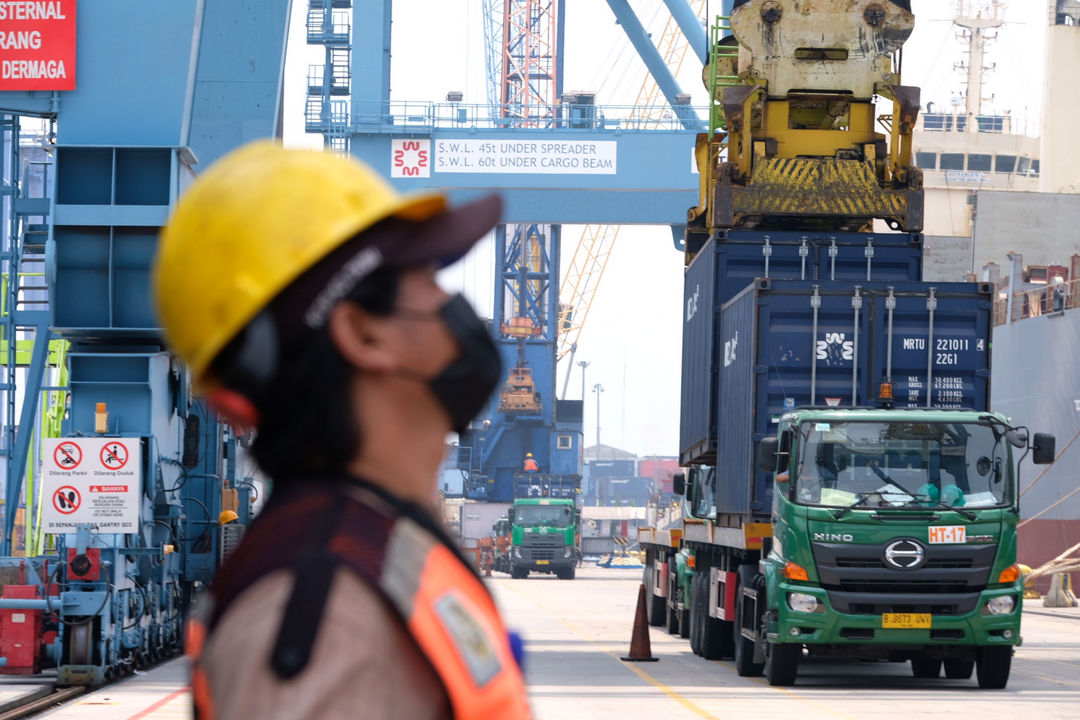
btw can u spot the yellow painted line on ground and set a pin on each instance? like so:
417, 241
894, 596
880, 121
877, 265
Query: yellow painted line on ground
685, 702
673, 694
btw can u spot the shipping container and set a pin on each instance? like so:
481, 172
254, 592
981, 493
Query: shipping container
661, 470
725, 266
779, 353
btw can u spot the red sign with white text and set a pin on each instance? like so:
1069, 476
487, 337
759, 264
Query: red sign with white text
37, 44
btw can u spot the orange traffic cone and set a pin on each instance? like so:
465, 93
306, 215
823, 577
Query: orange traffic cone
640, 649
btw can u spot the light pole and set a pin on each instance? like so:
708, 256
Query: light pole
584, 364
598, 388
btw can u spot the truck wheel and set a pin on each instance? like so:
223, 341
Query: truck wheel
925, 668
569, 573
993, 667
518, 573
684, 620
696, 607
671, 619
744, 647
654, 604
959, 669
782, 663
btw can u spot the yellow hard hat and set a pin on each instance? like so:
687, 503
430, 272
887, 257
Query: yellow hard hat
528, 454
227, 516
250, 225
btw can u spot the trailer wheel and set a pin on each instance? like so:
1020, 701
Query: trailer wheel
654, 604
782, 663
993, 666
696, 608
744, 647
671, 619
925, 668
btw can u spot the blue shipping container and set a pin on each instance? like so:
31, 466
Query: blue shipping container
726, 266
773, 360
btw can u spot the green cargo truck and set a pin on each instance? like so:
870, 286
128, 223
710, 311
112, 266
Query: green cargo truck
544, 537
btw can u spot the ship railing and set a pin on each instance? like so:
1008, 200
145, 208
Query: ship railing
1051, 300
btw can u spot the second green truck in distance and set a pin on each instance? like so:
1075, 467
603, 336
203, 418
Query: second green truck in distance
544, 536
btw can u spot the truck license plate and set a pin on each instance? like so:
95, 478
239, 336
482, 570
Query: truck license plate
905, 621
545, 562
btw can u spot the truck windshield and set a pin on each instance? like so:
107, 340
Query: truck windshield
542, 515
902, 464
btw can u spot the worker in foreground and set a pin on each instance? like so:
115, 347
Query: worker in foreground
300, 290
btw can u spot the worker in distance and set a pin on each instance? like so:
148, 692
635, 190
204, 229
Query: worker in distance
300, 289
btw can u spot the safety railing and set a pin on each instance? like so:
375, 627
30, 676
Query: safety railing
421, 116
1049, 300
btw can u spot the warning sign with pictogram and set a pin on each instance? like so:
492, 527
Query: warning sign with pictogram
93, 481
66, 500
67, 455
114, 455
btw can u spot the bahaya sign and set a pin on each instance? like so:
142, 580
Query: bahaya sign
37, 44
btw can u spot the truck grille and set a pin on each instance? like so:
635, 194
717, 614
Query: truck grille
533, 540
859, 581
542, 553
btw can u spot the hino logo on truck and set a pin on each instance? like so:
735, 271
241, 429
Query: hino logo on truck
835, 347
834, 537
905, 554
729, 349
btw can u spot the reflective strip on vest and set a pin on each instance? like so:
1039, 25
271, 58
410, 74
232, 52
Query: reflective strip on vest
456, 624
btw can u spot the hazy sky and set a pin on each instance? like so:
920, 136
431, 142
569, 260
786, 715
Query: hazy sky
634, 330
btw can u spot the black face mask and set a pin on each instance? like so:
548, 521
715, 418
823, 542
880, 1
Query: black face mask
466, 384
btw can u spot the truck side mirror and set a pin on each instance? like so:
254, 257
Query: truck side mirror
692, 478
767, 454
1043, 449
678, 484
510, 515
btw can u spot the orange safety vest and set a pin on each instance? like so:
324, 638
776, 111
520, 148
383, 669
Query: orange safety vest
403, 554
531, 466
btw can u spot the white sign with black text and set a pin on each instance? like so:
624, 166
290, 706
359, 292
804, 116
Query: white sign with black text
92, 480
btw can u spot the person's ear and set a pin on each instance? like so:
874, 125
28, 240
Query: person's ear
361, 338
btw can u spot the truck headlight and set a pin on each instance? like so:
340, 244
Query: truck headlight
517, 553
1001, 605
801, 602
567, 553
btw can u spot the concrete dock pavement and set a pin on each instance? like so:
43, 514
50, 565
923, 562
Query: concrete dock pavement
576, 630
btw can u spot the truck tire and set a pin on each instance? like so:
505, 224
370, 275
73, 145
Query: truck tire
696, 608
684, 619
566, 573
926, 668
654, 604
993, 666
959, 669
671, 619
518, 573
744, 647
782, 663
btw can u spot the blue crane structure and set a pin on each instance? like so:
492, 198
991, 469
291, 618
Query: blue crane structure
555, 158
175, 86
